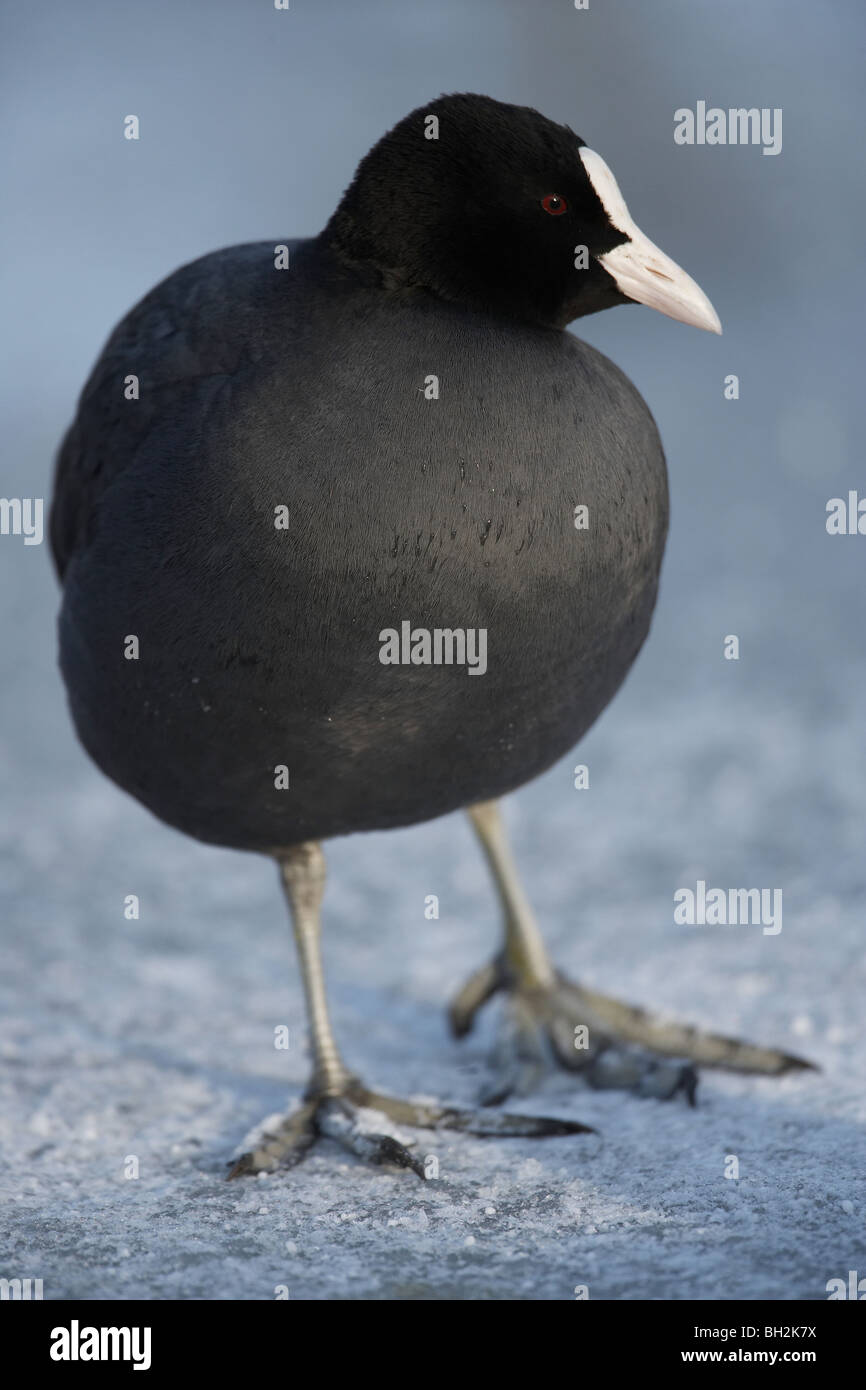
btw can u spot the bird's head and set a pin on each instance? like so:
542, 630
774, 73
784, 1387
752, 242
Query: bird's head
496, 207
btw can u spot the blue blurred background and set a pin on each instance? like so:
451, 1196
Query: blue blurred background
743, 773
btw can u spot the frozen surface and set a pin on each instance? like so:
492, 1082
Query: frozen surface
153, 1038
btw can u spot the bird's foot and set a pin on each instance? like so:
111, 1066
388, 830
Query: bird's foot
611, 1044
366, 1124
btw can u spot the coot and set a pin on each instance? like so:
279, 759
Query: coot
352, 533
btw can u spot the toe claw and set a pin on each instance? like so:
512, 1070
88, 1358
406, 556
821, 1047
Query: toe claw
502, 1125
473, 996
662, 1080
789, 1061
283, 1149
352, 1125
240, 1167
390, 1150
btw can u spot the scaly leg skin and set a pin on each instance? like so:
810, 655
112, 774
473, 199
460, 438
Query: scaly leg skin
550, 1019
336, 1104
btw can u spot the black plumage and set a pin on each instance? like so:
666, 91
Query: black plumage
303, 388
395, 432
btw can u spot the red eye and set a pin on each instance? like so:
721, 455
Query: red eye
555, 205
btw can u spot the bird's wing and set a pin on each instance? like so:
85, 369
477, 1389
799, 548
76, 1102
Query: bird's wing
183, 341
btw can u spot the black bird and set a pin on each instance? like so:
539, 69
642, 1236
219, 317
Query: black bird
318, 522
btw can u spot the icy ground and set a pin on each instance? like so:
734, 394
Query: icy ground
154, 1038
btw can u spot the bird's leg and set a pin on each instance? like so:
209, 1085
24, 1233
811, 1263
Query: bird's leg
549, 1018
336, 1103
302, 870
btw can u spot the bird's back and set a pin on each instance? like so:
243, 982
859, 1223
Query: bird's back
186, 339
